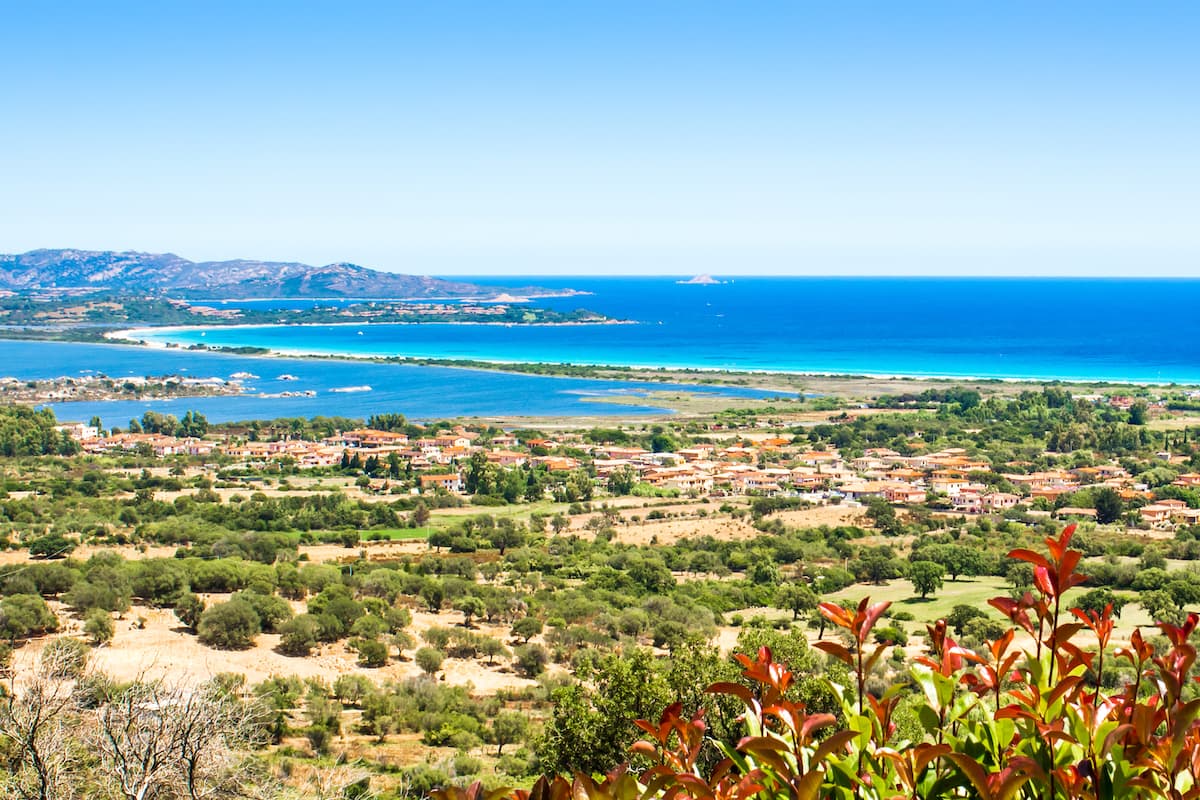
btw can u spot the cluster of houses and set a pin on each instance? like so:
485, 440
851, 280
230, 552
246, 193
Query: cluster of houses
752, 464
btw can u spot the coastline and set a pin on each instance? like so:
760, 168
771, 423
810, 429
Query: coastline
131, 334
495, 298
649, 374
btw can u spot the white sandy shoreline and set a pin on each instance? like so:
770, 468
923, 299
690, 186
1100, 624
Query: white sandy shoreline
136, 336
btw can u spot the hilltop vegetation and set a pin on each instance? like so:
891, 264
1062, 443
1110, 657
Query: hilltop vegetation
85, 272
400, 635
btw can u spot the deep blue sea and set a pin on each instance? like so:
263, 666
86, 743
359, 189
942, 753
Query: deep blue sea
1095, 329
1072, 329
420, 393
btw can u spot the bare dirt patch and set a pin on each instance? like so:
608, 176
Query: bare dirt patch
152, 643
817, 516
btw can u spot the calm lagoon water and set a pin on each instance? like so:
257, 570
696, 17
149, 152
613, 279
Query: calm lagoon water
420, 393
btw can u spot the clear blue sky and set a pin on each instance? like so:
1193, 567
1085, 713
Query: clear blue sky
606, 136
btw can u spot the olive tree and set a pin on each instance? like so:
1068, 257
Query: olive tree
229, 626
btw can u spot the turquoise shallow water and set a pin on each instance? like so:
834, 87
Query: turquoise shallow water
1118, 330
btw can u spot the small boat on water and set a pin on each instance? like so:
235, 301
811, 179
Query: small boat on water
286, 377
345, 389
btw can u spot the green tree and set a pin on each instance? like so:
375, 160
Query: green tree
797, 598
371, 653
527, 628
52, 545
926, 577
471, 607
478, 479
883, 516
957, 559
579, 486
24, 615
1160, 605
622, 480
300, 635
661, 441
1096, 600
433, 592
507, 728
272, 611
961, 614
1108, 504
506, 535
351, 689
1184, 591
229, 626
493, 648
592, 726
429, 659
876, 564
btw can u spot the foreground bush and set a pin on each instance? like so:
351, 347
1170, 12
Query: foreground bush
1004, 722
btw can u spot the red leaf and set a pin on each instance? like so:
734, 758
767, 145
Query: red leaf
836, 650
872, 616
835, 614
739, 691
1021, 554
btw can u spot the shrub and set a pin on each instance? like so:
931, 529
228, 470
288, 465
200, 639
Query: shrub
465, 764
51, 546
530, 659
1004, 722
24, 615
418, 781
429, 660
299, 635
65, 658
891, 635
318, 738
188, 609
272, 611
98, 626
229, 626
371, 653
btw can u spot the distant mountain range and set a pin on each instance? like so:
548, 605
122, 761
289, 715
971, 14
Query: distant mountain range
128, 272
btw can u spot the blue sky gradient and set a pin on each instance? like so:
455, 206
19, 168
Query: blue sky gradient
642, 137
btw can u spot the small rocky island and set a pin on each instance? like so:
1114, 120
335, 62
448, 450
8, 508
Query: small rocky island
103, 387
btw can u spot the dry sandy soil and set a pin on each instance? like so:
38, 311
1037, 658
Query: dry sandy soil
163, 648
718, 526
152, 642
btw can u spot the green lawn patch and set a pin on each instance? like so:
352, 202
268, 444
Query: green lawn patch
395, 534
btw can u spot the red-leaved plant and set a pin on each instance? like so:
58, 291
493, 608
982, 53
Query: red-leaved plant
1009, 721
